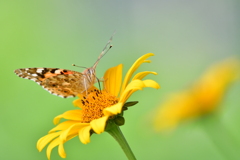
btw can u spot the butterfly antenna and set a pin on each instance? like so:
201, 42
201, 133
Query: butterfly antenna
104, 51
78, 66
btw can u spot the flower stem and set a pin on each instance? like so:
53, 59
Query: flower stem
115, 131
220, 137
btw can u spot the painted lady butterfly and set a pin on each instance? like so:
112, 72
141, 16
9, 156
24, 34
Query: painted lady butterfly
62, 82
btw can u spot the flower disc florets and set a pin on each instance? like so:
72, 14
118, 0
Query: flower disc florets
94, 103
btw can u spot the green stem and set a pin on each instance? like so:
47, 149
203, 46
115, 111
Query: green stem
115, 131
218, 134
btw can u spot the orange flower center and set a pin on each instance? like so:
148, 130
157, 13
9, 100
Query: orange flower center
94, 104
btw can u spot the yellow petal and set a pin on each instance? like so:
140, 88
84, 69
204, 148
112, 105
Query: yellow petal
98, 125
179, 106
78, 103
131, 87
113, 80
63, 126
141, 75
134, 67
61, 150
42, 142
135, 85
84, 134
71, 115
72, 130
53, 144
113, 110
151, 83
57, 142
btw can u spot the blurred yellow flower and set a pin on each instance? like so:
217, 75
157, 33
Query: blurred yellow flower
202, 98
97, 107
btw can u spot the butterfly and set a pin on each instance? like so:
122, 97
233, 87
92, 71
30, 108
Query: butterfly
62, 82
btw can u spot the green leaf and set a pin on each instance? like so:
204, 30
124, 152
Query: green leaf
129, 104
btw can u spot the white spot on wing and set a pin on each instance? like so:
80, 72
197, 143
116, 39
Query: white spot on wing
61, 96
39, 70
58, 72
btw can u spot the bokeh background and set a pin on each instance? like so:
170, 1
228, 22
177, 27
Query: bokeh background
186, 36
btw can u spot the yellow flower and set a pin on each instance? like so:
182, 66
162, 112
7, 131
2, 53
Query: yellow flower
97, 107
202, 98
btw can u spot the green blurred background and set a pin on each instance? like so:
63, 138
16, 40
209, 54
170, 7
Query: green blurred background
186, 36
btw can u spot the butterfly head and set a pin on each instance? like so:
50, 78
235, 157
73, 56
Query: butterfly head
90, 74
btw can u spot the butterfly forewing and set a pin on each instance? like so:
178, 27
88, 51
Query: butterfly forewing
60, 82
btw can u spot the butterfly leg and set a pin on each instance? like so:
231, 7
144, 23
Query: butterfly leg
85, 86
98, 80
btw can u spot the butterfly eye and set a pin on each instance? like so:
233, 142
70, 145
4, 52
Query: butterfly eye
89, 71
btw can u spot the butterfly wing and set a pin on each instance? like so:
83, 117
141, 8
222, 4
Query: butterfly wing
60, 82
